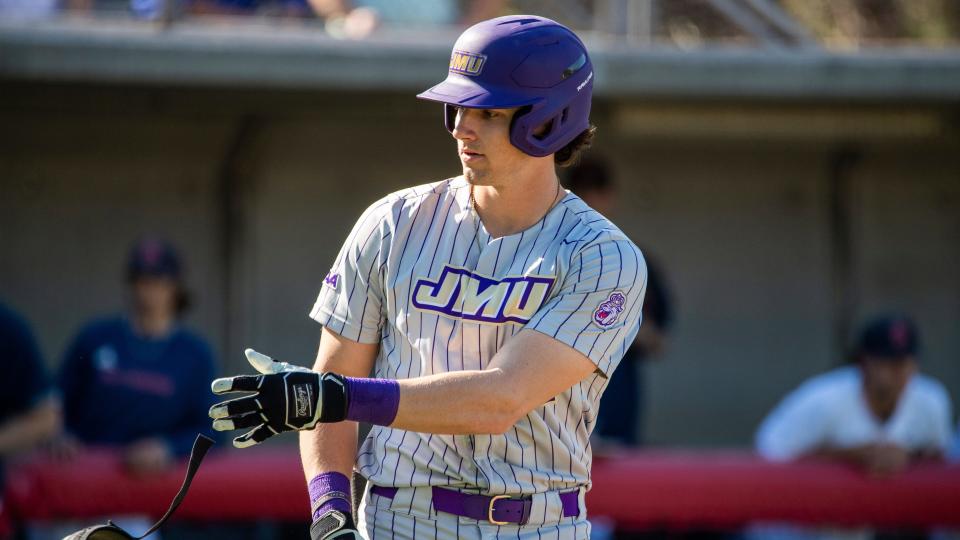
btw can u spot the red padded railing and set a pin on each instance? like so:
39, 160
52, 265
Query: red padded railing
647, 489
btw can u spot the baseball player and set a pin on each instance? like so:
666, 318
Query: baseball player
491, 308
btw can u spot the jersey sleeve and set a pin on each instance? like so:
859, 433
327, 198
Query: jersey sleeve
941, 418
953, 454
795, 427
21, 352
598, 305
351, 295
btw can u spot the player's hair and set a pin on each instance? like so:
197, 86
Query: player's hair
570, 154
182, 302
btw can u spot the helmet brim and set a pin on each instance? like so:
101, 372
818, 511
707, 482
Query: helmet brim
465, 92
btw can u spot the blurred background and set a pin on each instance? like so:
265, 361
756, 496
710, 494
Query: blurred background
792, 166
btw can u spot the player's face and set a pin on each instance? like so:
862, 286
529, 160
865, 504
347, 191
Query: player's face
155, 294
483, 144
886, 379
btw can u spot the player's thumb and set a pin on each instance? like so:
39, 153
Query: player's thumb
261, 362
268, 366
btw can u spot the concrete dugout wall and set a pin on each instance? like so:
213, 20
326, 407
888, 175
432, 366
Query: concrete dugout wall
774, 238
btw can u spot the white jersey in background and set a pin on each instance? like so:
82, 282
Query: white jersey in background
830, 410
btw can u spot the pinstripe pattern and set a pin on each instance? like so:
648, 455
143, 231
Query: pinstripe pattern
420, 275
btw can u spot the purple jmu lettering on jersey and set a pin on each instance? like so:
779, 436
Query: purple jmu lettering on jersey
461, 293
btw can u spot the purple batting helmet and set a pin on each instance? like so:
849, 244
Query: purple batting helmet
521, 61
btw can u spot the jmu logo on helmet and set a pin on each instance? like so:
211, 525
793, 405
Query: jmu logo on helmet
466, 63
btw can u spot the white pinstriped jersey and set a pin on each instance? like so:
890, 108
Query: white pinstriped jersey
420, 275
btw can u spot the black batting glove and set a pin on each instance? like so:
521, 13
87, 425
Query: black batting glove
284, 397
334, 525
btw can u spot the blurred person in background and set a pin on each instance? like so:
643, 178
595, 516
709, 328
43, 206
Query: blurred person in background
620, 417
139, 381
359, 18
879, 414
156, 9
29, 409
22, 10
291, 9
620, 420
954, 454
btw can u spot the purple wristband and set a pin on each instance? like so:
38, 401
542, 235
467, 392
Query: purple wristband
334, 484
374, 401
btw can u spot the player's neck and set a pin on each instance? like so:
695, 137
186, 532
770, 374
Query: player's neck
882, 407
153, 324
513, 206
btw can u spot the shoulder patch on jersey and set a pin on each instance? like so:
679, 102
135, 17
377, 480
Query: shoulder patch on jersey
332, 280
460, 293
609, 310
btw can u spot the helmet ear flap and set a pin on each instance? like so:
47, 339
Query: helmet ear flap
522, 111
552, 125
524, 134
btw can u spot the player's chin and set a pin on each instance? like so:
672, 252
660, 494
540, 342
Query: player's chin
474, 176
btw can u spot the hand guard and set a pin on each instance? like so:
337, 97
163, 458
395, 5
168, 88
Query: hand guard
285, 398
334, 524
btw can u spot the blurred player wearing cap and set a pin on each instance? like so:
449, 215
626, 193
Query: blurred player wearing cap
491, 307
137, 381
879, 414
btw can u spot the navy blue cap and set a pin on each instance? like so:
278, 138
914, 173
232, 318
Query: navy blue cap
890, 337
153, 257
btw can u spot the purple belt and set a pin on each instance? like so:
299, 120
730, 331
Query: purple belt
497, 509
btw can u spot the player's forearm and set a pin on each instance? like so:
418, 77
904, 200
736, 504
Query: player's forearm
852, 455
23, 432
333, 447
329, 448
529, 371
462, 402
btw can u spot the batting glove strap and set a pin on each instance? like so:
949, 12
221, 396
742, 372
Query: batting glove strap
327, 497
335, 398
334, 524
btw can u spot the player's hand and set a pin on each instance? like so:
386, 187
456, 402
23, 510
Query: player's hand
148, 456
64, 448
334, 525
886, 459
284, 397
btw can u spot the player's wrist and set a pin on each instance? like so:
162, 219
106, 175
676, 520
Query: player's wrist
329, 491
332, 510
374, 401
291, 398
